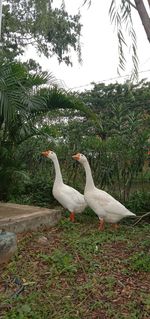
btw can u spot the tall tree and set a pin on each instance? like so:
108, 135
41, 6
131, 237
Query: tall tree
114, 102
50, 30
144, 16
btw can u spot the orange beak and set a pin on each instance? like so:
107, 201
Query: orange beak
45, 153
76, 156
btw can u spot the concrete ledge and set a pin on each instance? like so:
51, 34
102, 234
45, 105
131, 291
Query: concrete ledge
19, 218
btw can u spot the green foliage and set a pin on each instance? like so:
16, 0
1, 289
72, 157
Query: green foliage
13, 175
36, 192
23, 108
51, 30
118, 142
114, 102
40, 191
141, 261
62, 261
18, 103
139, 201
19, 100
115, 140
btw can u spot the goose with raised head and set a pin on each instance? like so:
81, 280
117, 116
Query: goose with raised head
67, 196
107, 208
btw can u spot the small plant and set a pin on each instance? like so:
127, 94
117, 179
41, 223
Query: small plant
141, 262
146, 301
62, 261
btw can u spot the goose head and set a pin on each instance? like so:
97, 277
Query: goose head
50, 154
80, 158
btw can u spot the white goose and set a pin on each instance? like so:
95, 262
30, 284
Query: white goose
104, 205
66, 195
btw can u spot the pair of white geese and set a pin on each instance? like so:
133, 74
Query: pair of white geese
104, 205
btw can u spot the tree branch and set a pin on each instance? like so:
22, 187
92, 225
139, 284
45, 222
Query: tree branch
144, 16
148, 2
139, 219
132, 5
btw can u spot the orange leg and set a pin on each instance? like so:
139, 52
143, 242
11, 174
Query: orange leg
72, 217
101, 224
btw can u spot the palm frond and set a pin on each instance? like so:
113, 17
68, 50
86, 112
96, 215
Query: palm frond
60, 99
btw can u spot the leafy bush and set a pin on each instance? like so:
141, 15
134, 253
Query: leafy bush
37, 192
139, 202
40, 192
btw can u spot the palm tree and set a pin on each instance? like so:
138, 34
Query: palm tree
24, 97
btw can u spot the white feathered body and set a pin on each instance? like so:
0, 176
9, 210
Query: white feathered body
69, 197
105, 206
66, 195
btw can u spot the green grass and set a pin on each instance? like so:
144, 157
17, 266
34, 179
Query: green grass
80, 273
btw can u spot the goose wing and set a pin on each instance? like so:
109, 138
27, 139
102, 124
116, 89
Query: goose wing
101, 199
69, 198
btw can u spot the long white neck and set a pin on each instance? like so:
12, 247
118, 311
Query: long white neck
58, 175
89, 178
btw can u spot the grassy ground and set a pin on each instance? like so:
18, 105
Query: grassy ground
78, 273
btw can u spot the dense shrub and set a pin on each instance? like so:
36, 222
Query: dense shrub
40, 192
139, 202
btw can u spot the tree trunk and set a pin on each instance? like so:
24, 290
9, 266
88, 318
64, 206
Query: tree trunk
0, 19
144, 16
